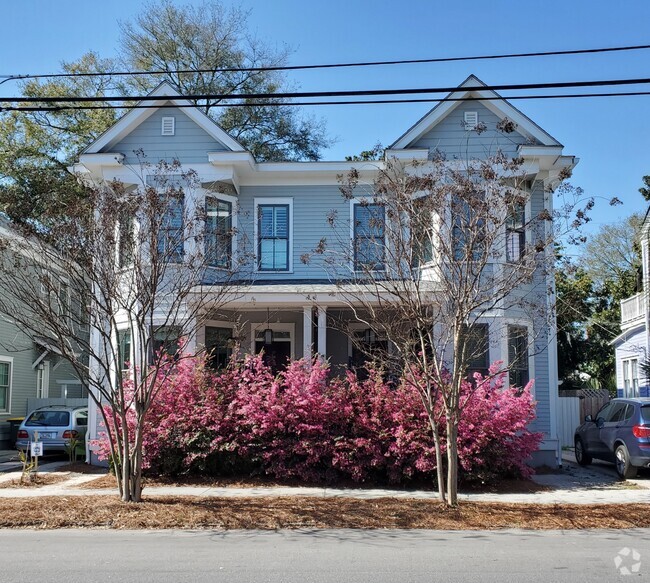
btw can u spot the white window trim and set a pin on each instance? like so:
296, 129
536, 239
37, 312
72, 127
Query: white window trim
353, 203
276, 327
200, 333
233, 221
10, 361
270, 201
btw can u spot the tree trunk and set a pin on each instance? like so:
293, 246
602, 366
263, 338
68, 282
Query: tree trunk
439, 466
452, 461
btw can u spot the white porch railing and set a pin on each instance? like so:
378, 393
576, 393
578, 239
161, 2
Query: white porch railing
633, 308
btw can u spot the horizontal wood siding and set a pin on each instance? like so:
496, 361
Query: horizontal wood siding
450, 137
190, 144
311, 205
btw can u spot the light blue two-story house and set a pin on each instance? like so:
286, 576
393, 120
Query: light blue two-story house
632, 345
281, 210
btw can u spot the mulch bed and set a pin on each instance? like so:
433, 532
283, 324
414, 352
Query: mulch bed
36, 482
298, 512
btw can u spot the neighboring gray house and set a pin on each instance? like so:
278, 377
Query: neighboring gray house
632, 346
282, 209
29, 368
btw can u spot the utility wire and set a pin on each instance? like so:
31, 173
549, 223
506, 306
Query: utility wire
331, 94
332, 65
73, 107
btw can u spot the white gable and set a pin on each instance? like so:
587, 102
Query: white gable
168, 95
474, 87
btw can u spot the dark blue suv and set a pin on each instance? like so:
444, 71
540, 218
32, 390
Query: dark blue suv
620, 433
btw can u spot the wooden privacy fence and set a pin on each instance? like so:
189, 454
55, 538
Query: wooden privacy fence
568, 418
573, 406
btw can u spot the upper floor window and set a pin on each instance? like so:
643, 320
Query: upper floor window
273, 233
468, 228
170, 234
369, 237
218, 232
516, 233
422, 233
518, 366
125, 244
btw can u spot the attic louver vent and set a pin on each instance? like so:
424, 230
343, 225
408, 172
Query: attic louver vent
168, 126
471, 119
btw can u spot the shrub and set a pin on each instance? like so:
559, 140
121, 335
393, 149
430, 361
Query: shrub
303, 424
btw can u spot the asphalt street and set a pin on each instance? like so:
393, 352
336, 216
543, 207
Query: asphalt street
346, 556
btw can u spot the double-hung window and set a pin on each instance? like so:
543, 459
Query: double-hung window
631, 377
468, 227
218, 232
516, 233
369, 237
273, 233
165, 340
519, 370
477, 347
421, 233
5, 385
170, 235
123, 349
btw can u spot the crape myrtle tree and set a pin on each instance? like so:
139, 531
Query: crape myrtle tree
116, 289
435, 250
211, 42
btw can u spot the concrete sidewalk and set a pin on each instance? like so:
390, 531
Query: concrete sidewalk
571, 485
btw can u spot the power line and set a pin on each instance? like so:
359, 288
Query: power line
74, 107
332, 65
331, 94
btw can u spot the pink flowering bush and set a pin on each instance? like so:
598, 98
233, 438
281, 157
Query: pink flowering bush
306, 425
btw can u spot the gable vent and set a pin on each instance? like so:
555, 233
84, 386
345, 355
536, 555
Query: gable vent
168, 126
471, 119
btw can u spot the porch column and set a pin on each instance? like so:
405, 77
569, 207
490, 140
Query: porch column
307, 341
322, 332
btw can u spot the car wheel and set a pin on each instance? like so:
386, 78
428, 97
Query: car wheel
582, 457
624, 468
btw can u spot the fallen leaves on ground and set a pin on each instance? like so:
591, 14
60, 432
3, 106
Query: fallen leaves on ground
302, 512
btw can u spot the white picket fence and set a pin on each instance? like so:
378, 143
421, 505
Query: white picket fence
568, 419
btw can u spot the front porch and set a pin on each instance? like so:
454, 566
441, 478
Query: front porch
282, 332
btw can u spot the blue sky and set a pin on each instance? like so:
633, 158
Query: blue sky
610, 135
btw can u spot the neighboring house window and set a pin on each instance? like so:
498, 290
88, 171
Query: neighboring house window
218, 232
218, 346
516, 233
170, 236
5, 385
123, 349
369, 237
631, 377
478, 350
165, 340
518, 366
273, 237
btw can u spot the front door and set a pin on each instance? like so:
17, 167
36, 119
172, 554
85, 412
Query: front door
275, 355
